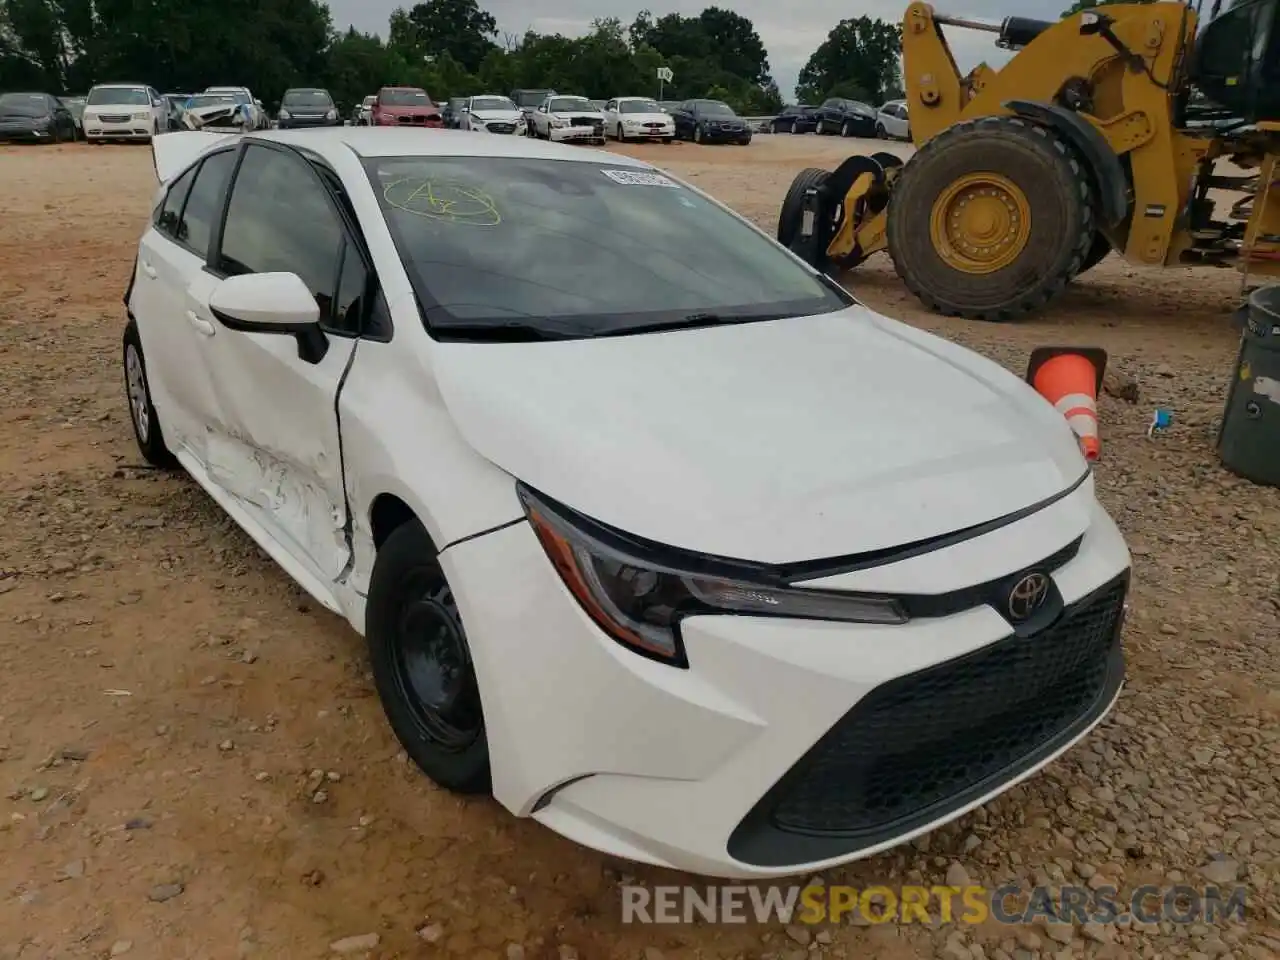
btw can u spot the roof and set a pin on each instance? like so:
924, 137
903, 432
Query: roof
119, 86
384, 142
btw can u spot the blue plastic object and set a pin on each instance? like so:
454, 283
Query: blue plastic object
1160, 420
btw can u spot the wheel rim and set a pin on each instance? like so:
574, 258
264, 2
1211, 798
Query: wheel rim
432, 665
981, 223
137, 384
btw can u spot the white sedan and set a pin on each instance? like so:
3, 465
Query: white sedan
709, 566
638, 118
568, 119
492, 114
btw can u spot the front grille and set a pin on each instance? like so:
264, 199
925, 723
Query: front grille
655, 126
922, 745
411, 119
582, 122
114, 117
501, 127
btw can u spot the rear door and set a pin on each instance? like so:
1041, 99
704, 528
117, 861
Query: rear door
278, 454
171, 256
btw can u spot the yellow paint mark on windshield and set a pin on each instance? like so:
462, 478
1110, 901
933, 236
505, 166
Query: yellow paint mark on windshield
446, 200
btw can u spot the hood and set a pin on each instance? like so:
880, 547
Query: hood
645, 118
572, 114
216, 115
407, 110
775, 442
497, 116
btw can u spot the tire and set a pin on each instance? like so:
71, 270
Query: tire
697, 134
1097, 252
620, 138
881, 132
416, 645
795, 129
793, 203
993, 154
846, 130
142, 412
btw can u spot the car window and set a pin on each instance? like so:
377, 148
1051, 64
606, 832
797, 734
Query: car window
488, 239
280, 219
118, 96
204, 201
353, 282
170, 213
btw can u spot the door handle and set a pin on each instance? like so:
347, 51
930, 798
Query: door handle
203, 326
148, 269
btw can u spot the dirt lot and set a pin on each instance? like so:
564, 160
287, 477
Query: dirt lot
193, 764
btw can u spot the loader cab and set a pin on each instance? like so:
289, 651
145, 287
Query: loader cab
1237, 60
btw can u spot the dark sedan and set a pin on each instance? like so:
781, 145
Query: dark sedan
797, 118
709, 121
307, 107
849, 118
36, 117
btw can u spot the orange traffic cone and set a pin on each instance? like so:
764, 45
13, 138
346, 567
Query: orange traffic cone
1071, 378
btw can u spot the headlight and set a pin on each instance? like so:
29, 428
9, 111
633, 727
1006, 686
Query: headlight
639, 601
140, 115
331, 115
285, 114
557, 122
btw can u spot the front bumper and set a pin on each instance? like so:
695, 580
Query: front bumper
716, 135
110, 128
306, 123
790, 746
595, 133
512, 128
649, 133
25, 133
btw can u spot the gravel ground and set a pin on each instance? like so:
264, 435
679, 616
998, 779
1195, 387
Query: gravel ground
193, 764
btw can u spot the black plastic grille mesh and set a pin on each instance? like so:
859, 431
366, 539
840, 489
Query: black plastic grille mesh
921, 740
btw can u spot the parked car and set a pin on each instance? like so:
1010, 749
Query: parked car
491, 113
796, 118
36, 117
528, 100
404, 106
257, 116
744, 659
709, 121
669, 106
123, 111
222, 112
450, 112
849, 118
76, 106
364, 112
637, 118
568, 118
891, 121
307, 107
174, 104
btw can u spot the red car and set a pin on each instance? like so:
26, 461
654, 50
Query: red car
405, 106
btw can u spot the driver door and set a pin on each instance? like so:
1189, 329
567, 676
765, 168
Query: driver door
278, 452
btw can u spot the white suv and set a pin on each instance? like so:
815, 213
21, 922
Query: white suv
123, 111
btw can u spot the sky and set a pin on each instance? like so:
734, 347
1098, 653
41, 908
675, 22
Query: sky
790, 31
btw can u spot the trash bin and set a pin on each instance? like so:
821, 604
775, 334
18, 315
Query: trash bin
1249, 438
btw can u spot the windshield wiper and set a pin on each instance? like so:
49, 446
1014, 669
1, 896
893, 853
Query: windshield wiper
511, 331
693, 320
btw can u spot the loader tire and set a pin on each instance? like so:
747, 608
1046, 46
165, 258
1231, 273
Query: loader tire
991, 219
1098, 251
793, 203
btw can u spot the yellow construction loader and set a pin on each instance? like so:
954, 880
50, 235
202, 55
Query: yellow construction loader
1107, 130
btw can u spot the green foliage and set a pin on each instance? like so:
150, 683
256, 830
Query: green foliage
447, 47
859, 56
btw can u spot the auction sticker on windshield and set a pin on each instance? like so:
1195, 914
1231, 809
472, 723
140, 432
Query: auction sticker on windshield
640, 178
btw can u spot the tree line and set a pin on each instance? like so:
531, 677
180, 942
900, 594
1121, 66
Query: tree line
447, 47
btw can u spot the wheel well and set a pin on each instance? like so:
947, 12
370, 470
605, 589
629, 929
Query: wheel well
387, 513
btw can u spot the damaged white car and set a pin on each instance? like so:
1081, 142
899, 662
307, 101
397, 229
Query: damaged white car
220, 113
707, 565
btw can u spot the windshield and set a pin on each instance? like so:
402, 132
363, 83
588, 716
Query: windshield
307, 98
857, 107
209, 100
638, 106
580, 248
24, 104
492, 103
714, 108
119, 96
531, 98
404, 98
370, 100
559, 104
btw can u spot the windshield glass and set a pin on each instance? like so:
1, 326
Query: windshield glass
404, 98
531, 98
307, 98
24, 104
209, 100
580, 248
857, 107
492, 103
638, 106
559, 104
714, 108
119, 96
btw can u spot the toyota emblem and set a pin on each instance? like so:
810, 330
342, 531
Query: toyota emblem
1027, 596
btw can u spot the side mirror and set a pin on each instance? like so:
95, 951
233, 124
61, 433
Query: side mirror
271, 303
